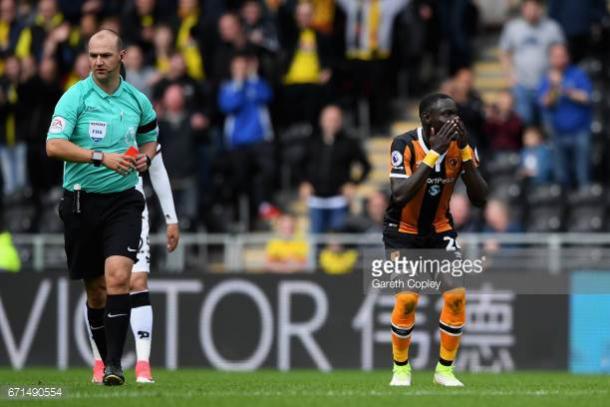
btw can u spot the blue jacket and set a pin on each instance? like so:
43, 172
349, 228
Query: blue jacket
567, 116
247, 117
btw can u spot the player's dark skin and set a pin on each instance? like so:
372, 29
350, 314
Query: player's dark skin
441, 124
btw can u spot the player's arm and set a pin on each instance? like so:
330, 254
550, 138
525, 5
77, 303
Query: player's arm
404, 188
160, 183
476, 187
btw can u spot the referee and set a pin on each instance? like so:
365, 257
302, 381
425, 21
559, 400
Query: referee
94, 124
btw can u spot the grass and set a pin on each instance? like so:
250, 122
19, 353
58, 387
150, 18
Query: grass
197, 387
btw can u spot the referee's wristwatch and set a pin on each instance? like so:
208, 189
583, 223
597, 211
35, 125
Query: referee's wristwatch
97, 158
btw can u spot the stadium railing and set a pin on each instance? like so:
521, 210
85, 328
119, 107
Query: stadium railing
200, 252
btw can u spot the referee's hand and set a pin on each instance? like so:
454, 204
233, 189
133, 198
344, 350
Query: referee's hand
142, 162
120, 163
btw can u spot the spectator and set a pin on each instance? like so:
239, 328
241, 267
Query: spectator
577, 18
41, 34
163, 43
419, 33
178, 139
44, 91
337, 259
248, 132
497, 220
461, 212
77, 40
329, 185
10, 29
459, 21
139, 75
369, 50
261, 32
372, 220
536, 165
306, 65
79, 72
324, 14
503, 128
565, 97
193, 90
189, 27
13, 149
524, 44
139, 24
470, 107
233, 40
258, 29
286, 252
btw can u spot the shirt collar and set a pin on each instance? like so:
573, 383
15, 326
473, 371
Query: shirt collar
101, 92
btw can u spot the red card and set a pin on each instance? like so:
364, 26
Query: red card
132, 152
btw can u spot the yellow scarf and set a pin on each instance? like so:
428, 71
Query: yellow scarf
188, 48
10, 118
374, 19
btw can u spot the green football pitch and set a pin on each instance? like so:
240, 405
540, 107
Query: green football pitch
343, 388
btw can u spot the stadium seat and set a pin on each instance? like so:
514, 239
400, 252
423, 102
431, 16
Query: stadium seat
545, 219
293, 150
586, 219
507, 190
593, 194
503, 164
20, 219
49, 221
542, 195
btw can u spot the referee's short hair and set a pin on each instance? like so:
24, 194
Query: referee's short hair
429, 101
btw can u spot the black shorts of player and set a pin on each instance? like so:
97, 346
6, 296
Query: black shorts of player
97, 226
394, 240
399, 244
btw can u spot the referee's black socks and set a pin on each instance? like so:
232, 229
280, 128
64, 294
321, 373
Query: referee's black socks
95, 316
116, 320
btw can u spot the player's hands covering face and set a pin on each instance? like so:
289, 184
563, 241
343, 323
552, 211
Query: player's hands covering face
440, 141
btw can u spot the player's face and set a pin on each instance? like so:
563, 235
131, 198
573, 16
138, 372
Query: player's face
443, 111
104, 57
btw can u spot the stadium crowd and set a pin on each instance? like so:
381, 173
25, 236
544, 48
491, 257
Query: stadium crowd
260, 98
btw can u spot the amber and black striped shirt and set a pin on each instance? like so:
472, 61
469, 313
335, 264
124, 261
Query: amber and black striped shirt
427, 212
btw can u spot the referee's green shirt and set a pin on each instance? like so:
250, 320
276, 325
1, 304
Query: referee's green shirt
90, 118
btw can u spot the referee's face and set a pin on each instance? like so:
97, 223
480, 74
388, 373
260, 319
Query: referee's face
104, 57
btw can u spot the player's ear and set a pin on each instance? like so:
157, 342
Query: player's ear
122, 54
425, 118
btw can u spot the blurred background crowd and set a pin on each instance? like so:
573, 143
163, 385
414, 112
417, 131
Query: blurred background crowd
281, 112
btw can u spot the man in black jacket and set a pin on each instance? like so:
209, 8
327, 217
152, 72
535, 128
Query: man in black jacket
329, 184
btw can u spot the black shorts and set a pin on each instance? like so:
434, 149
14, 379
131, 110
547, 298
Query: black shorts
394, 240
398, 244
107, 225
